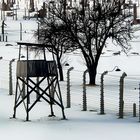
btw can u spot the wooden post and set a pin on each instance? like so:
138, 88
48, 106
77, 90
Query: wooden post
13, 14
23, 88
6, 38
27, 89
28, 14
135, 13
20, 31
102, 93
37, 14
1, 14
121, 101
139, 102
68, 88
37, 81
32, 5
2, 29
16, 14
134, 110
84, 91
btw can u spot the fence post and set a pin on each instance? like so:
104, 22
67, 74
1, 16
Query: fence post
3, 30
28, 15
68, 88
134, 110
1, 14
16, 14
121, 101
10, 77
20, 31
25, 13
84, 91
139, 102
6, 38
102, 93
37, 15
37, 81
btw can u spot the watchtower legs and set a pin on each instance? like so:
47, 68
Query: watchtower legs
14, 115
46, 94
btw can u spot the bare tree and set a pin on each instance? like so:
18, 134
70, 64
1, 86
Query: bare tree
91, 24
52, 33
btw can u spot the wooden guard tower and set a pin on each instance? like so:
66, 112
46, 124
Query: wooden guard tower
46, 71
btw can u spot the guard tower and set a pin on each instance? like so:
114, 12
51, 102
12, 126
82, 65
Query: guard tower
46, 71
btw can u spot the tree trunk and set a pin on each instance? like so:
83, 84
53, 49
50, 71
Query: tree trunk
92, 74
60, 69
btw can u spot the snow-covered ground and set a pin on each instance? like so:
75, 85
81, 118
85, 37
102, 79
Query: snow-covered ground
80, 125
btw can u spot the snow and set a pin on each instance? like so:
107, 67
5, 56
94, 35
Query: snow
80, 125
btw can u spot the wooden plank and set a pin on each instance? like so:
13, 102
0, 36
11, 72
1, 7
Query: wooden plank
34, 44
36, 68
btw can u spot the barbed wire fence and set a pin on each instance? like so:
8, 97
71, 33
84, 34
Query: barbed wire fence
128, 106
93, 99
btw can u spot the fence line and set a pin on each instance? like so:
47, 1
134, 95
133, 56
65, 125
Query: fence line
111, 91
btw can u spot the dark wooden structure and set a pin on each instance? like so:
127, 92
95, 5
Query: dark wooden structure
46, 71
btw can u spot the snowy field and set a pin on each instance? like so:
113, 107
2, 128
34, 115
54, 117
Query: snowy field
80, 125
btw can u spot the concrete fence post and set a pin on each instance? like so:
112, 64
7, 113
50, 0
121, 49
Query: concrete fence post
84, 91
68, 88
20, 31
10, 77
102, 93
121, 100
139, 102
135, 14
16, 14
6, 38
134, 110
